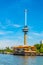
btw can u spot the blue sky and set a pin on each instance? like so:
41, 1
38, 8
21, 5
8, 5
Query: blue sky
12, 22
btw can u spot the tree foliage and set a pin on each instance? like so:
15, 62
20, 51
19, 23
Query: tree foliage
39, 47
7, 49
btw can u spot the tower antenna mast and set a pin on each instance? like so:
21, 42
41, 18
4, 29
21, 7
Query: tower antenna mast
25, 17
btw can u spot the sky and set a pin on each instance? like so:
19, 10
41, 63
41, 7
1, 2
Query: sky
12, 22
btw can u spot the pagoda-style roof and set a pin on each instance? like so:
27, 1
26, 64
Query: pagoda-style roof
24, 46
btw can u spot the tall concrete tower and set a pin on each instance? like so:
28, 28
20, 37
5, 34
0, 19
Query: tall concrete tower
25, 29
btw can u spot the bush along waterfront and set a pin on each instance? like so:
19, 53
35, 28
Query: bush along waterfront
7, 50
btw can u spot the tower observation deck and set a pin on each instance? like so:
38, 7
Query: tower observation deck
25, 29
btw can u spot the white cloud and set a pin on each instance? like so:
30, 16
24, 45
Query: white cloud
6, 43
9, 23
5, 32
2, 32
35, 37
35, 33
38, 34
16, 25
30, 37
9, 43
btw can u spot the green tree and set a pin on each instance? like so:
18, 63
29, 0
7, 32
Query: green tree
41, 50
37, 46
7, 49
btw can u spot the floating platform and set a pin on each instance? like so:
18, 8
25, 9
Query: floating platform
26, 54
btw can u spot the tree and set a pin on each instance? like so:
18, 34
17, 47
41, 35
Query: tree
37, 46
7, 49
41, 50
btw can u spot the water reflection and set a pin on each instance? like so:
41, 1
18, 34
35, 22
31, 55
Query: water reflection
25, 62
28, 60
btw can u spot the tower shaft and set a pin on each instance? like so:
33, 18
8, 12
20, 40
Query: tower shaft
25, 38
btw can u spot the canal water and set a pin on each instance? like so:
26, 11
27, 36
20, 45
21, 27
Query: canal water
20, 60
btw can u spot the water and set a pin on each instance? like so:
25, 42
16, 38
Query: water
20, 60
